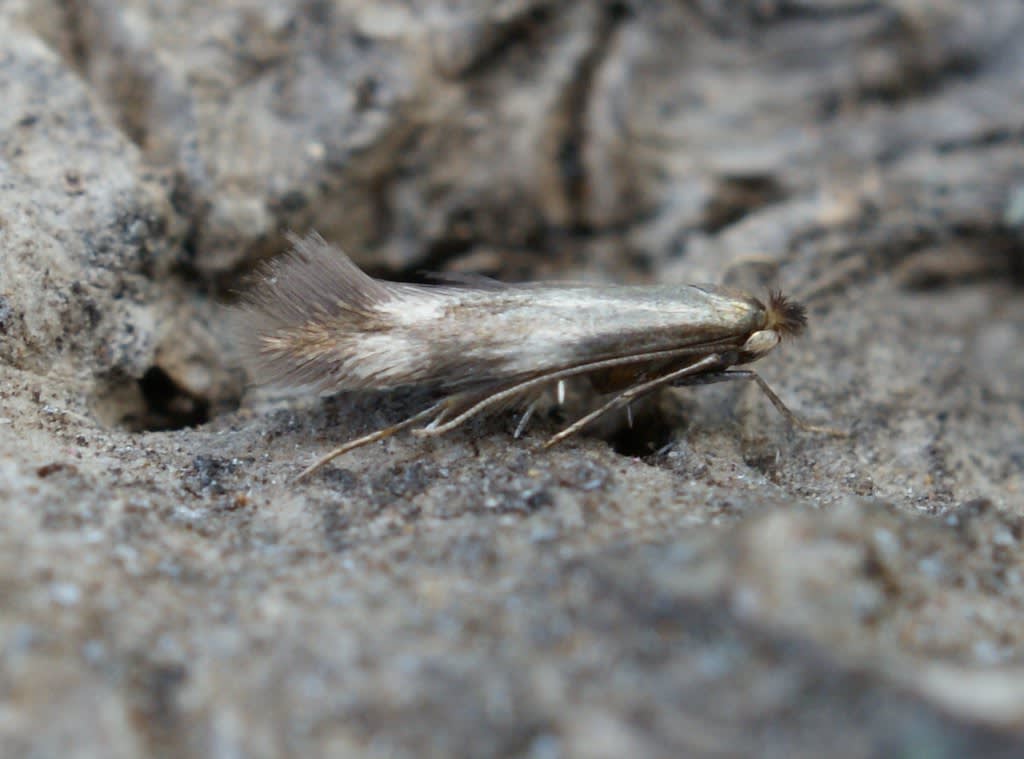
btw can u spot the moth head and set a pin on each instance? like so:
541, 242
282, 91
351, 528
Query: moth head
785, 316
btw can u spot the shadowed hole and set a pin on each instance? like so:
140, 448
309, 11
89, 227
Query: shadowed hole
651, 431
166, 405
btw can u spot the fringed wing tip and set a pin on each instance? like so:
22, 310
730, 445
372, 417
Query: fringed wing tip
294, 305
785, 315
251, 323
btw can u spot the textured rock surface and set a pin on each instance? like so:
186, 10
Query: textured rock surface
165, 588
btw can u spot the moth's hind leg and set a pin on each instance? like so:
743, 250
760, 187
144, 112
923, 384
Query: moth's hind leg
746, 374
438, 409
525, 418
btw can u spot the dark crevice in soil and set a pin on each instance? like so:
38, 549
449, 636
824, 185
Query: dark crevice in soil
77, 49
167, 405
572, 113
738, 20
966, 260
735, 197
570, 151
436, 258
154, 704
516, 31
990, 138
131, 86
920, 66
644, 438
789, 10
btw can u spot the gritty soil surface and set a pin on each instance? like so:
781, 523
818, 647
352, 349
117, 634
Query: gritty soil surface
711, 582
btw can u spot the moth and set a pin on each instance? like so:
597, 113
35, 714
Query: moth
316, 320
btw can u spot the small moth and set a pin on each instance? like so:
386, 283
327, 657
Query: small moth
316, 320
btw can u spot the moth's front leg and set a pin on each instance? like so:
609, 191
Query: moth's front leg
791, 416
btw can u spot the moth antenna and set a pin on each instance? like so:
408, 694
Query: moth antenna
785, 315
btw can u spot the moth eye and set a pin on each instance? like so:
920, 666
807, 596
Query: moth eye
761, 341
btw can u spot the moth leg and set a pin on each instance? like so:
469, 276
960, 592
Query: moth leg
526, 418
746, 374
542, 380
707, 364
373, 437
472, 406
437, 419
